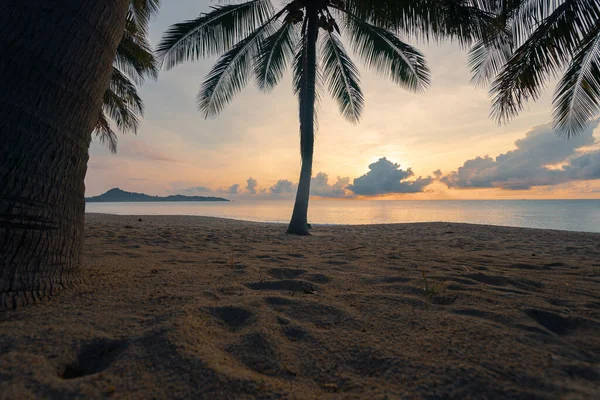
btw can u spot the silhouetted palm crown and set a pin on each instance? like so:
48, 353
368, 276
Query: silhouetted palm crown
256, 39
530, 41
519, 45
134, 62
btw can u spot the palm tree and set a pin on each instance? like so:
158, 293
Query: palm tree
134, 62
257, 39
533, 40
55, 67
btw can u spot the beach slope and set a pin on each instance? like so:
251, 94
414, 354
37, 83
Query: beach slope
194, 307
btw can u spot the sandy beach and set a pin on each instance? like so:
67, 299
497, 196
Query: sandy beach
196, 307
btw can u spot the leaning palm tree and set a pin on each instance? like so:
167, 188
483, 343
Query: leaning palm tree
55, 66
257, 39
134, 62
51, 88
533, 40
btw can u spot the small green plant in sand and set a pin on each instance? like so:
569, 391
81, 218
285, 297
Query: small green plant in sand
431, 288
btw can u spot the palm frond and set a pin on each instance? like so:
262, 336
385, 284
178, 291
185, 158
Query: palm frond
486, 58
141, 11
387, 54
577, 96
527, 15
544, 53
231, 72
342, 77
122, 102
104, 133
462, 20
275, 53
212, 33
134, 55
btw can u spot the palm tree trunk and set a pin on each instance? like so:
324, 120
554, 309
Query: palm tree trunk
56, 62
299, 222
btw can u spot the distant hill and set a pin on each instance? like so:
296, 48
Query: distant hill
117, 195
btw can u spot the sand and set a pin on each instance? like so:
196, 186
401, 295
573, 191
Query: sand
194, 307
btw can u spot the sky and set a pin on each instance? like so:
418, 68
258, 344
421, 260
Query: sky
440, 144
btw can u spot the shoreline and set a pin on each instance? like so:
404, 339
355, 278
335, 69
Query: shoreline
205, 307
335, 225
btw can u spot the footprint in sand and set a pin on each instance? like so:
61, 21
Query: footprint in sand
498, 280
259, 353
295, 255
559, 324
235, 318
92, 358
336, 262
296, 333
318, 278
496, 319
292, 285
545, 267
590, 373
285, 273
318, 314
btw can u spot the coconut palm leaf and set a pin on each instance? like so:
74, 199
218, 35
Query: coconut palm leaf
387, 54
231, 72
275, 53
122, 102
122, 105
526, 15
577, 96
135, 62
461, 20
486, 58
141, 11
104, 133
544, 53
342, 77
134, 55
212, 33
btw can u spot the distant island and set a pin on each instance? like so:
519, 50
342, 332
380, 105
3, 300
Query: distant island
117, 195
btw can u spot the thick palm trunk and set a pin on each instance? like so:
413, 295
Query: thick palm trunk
299, 222
56, 61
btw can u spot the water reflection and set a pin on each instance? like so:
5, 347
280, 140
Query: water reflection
576, 215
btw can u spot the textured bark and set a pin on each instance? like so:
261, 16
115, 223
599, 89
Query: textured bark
299, 222
56, 61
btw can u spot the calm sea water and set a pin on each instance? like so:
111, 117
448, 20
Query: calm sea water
571, 215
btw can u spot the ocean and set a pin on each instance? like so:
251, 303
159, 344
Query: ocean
570, 215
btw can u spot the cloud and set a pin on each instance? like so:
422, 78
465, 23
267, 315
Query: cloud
320, 186
283, 186
384, 177
532, 163
584, 167
234, 189
251, 185
387, 177
139, 149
